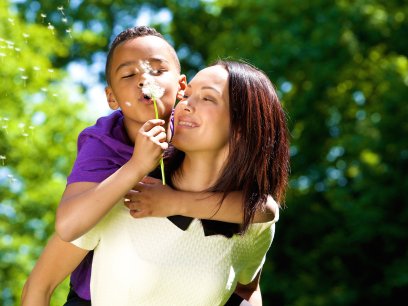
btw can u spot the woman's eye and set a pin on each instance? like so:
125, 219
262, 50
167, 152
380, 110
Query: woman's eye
208, 99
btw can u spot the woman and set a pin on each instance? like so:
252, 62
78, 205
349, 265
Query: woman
230, 134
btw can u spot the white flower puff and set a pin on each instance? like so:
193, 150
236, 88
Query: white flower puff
150, 87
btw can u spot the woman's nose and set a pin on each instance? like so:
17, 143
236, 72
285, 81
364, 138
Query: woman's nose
185, 106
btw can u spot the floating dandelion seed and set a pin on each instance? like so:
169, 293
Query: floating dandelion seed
51, 27
43, 17
43, 89
69, 32
24, 78
64, 19
61, 9
154, 91
11, 20
2, 158
25, 35
51, 70
21, 69
36, 68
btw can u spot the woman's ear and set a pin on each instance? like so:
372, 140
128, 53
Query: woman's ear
182, 87
110, 97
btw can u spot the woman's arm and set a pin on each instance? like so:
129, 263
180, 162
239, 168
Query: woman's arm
151, 198
56, 262
84, 204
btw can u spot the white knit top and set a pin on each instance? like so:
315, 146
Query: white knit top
150, 261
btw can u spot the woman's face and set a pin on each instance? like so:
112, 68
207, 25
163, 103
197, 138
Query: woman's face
201, 119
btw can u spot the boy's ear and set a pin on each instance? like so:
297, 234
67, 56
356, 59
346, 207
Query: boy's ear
110, 97
182, 87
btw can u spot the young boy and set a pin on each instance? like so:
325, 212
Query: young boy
108, 163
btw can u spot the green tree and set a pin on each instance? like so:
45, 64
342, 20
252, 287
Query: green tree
39, 123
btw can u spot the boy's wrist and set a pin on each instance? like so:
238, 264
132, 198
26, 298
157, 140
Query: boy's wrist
178, 203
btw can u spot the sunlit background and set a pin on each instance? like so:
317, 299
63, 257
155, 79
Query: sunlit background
341, 70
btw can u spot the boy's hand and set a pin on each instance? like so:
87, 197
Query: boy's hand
150, 198
150, 143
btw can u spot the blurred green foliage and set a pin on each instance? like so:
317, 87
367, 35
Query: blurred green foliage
341, 70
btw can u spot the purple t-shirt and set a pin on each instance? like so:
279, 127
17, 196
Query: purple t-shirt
102, 149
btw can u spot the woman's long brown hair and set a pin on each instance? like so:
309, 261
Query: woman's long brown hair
258, 161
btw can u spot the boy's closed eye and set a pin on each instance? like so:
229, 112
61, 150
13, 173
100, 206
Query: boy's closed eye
127, 76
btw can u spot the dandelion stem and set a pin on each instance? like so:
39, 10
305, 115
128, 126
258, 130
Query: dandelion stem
161, 159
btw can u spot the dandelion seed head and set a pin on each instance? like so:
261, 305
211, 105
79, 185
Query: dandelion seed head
152, 89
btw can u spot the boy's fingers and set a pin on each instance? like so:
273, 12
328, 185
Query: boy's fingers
151, 123
155, 130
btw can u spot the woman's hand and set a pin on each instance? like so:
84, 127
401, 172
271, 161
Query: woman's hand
150, 198
150, 143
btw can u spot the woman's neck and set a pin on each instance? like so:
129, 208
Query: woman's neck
199, 171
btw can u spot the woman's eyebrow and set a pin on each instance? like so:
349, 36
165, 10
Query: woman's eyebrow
208, 87
211, 88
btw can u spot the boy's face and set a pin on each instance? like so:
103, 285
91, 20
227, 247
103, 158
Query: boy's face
127, 77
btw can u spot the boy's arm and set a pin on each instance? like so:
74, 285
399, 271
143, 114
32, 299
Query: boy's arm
153, 199
84, 204
250, 292
56, 262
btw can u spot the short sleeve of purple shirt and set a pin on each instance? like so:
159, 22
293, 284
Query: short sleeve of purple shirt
102, 149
